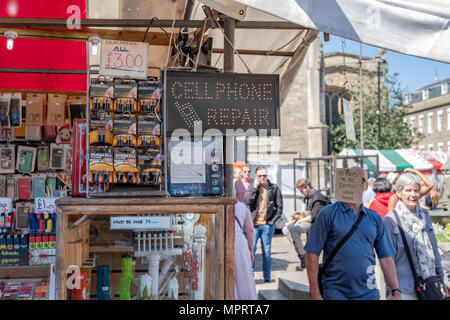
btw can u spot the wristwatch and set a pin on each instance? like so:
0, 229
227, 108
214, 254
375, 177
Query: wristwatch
396, 289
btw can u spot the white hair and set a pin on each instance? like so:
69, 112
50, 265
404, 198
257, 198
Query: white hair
405, 179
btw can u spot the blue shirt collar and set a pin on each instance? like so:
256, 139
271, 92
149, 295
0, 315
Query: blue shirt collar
345, 207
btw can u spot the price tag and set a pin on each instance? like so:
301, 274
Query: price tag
122, 59
5, 205
42, 205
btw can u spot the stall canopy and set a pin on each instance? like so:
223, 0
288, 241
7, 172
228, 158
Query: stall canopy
400, 159
413, 27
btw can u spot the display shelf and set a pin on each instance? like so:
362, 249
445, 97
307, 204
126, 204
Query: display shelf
218, 218
11, 272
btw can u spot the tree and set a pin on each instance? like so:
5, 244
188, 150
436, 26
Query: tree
395, 133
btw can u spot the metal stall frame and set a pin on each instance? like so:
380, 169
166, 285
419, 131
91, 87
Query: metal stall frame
332, 160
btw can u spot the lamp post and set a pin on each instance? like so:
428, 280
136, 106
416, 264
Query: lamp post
379, 60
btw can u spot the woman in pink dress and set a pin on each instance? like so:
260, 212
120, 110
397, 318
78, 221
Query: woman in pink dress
244, 282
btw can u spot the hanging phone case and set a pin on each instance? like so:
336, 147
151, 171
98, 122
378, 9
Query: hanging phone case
7, 159
43, 156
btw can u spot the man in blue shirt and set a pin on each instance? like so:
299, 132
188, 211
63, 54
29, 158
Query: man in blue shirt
351, 274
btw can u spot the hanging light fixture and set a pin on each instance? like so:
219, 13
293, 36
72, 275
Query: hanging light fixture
95, 41
11, 35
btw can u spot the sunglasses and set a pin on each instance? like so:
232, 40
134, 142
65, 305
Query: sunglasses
262, 175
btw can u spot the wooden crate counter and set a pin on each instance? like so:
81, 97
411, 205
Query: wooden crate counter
220, 261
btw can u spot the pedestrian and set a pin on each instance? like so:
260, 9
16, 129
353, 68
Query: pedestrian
421, 246
431, 200
241, 185
237, 175
315, 201
369, 194
383, 188
351, 274
266, 205
244, 282
427, 185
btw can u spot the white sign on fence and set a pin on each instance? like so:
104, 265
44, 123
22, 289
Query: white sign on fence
348, 118
5, 205
141, 223
120, 59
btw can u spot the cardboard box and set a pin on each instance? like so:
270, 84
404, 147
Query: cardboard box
56, 110
35, 110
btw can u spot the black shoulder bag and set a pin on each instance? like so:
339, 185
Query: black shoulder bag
426, 289
339, 245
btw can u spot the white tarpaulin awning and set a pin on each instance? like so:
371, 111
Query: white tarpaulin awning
414, 27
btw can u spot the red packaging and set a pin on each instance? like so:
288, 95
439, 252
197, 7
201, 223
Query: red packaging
79, 164
23, 188
38, 242
32, 242
49, 133
79, 177
79, 294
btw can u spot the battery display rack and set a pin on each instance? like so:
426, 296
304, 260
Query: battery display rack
125, 140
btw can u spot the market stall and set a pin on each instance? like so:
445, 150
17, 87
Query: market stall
119, 204
400, 159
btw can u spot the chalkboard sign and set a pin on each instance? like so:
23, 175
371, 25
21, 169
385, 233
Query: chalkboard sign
222, 101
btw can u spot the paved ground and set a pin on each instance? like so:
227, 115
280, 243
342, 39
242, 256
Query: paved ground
284, 259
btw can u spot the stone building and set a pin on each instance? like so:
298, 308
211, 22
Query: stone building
430, 116
342, 76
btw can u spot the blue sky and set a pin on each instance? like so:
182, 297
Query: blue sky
413, 73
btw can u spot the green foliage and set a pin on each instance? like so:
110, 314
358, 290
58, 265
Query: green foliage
394, 133
442, 234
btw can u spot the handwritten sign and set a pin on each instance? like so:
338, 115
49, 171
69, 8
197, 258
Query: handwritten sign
120, 59
348, 185
140, 223
222, 101
5, 205
42, 205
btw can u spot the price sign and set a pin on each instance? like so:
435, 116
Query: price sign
42, 205
141, 223
120, 59
5, 205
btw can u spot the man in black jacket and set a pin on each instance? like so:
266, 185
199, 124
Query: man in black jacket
266, 205
315, 201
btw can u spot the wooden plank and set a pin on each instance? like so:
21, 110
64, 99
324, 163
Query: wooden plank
143, 23
98, 249
258, 52
145, 201
61, 265
136, 209
15, 272
220, 250
229, 253
62, 33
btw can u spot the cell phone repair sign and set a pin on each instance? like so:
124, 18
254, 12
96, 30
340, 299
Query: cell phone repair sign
120, 59
140, 223
223, 101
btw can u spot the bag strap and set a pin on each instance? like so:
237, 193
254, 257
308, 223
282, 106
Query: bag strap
239, 223
340, 244
405, 244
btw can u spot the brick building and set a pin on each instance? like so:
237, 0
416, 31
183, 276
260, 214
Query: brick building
430, 116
